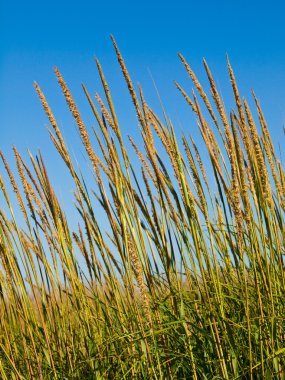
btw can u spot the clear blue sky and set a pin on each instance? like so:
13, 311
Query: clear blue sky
37, 35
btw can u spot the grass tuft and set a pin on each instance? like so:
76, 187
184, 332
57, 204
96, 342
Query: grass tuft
186, 280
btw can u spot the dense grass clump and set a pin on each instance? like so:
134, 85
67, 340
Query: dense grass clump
187, 280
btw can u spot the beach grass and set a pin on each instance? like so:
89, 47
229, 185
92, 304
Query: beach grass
185, 280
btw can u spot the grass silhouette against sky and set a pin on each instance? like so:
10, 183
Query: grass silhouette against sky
36, 36
176, 267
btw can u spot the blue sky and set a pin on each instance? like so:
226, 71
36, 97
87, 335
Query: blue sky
35, 36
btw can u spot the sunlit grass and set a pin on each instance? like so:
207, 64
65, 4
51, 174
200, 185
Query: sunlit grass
187, 279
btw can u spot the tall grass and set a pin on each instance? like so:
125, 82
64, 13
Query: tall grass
186, 281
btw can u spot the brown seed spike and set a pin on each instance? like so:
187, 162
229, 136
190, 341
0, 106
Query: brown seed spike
199, 88
129, 82
82, 129
50, 115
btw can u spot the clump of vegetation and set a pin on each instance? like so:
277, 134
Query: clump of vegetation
186, 281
